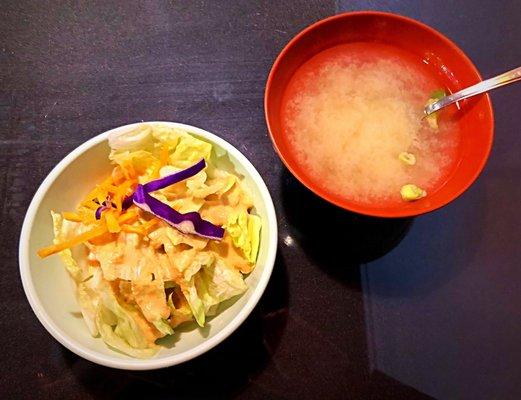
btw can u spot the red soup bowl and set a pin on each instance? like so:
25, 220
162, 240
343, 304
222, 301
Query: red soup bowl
453, 69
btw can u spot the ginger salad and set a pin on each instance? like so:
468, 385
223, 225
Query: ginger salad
163, 240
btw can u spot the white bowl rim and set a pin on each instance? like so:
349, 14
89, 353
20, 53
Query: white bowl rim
147, 364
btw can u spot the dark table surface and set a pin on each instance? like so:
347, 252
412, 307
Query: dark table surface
407, 309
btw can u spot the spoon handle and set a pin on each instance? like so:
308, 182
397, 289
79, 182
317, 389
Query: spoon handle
481, 87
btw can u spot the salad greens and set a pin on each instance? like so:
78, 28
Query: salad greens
138, 276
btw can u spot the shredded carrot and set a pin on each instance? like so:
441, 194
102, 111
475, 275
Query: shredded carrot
132, 229
91, 195
90, 204
101, 197
128, 217
99, 192
121, 192
111, 221
147, 225
56, 248
142, 229
164, 155
105, 238
111, 188
87, 215
71, 216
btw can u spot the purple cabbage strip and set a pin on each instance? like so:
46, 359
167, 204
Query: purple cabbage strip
104, 206
162, 183
168, 180
188, 223
99, 210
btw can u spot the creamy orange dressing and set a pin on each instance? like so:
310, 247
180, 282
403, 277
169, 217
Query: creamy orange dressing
150, 297
218, 211
217, 214
118, 259
231, 255
150, 333
124, 288
130, 258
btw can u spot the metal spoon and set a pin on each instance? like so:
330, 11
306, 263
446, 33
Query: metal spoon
481, 87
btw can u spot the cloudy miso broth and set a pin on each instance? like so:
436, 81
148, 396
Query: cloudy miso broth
352, 109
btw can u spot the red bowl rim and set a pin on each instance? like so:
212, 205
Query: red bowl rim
347, 205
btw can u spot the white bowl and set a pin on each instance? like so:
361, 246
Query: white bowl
50, 291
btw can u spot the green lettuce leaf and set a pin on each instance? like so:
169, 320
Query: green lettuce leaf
200, 186
244, 230
195, 302
165, 134
200, 260
143, 162
136, 138
117, 324
119, 328
180, 313
65, 255
212, 285
218, 283
63, 229
163, 326
88, 300
254, 227
120, 337
190, 150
